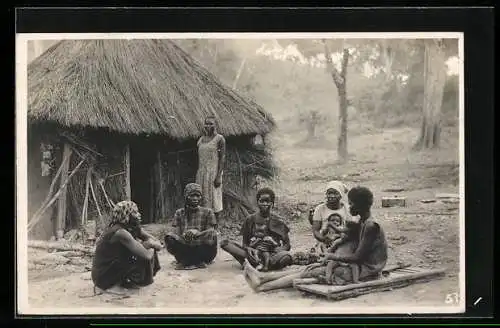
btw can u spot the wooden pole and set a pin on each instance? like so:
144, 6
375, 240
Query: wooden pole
128, 191
160, 180
62, 201
86, 199
36, 218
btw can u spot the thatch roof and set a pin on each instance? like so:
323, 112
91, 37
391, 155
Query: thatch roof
135, 87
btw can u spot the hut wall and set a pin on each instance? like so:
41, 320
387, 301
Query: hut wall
38, 188
179, 163
173, 166
107, 179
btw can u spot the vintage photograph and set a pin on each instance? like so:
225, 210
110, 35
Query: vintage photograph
235, 173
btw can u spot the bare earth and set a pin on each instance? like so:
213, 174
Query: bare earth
425, 235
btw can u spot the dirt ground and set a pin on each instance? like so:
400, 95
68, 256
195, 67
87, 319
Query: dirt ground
422, 234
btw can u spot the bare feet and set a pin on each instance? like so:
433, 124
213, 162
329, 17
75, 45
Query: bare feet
116, 290
251, 276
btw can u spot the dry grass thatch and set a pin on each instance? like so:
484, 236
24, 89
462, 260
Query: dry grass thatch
135, 87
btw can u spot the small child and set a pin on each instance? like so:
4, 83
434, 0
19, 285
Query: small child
263, 243
348, 233
332, 228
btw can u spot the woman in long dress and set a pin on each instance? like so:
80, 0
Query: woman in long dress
211, 157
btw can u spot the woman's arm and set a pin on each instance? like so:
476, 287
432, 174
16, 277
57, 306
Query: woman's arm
221, 153
125, 238
364, 247
285, 244
340, 229
211, 221
245, 232
144, 235
316, 229
149, 241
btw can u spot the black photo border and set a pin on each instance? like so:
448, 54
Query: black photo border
475, 23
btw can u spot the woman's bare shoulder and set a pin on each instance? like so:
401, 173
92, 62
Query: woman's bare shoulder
122, 235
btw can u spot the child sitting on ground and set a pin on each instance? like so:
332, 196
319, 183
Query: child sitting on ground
263, 243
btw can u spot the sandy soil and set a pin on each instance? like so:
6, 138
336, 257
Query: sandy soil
425, 235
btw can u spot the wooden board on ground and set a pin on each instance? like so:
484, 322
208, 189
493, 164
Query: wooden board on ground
395, 279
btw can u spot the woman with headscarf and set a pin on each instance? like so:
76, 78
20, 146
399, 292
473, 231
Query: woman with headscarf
334, 207
194, 242
125, 255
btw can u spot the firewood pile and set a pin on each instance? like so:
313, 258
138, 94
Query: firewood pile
62, 255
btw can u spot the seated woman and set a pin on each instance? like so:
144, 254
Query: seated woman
120, 259
194, 243
369, 255
277, 229
333, 207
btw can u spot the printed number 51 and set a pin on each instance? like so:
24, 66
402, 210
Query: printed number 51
452, 298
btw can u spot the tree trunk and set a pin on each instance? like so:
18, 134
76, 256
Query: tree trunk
342, 137
435, 78
388, 59
343, 104
340, 80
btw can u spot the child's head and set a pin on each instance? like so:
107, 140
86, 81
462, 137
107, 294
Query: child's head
260, 226
335, 220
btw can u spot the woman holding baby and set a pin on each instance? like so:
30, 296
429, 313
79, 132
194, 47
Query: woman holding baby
359, 254
266, 241
328, 216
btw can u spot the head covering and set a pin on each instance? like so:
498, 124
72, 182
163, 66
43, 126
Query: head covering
339, 186
122, 211
191, 188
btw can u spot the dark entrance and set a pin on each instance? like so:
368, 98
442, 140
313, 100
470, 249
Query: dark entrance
141, 174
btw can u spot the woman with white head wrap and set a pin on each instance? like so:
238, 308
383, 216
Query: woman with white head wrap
334, 207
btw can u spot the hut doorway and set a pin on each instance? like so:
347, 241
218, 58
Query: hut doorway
142, 162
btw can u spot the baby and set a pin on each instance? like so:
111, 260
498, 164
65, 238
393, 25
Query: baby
263, 243
331, 228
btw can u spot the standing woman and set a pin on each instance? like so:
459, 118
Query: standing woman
211, 157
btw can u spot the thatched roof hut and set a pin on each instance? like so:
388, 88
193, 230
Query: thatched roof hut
129, 112
135, 87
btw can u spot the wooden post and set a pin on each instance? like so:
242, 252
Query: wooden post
128, 191
61, 203
160, 183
